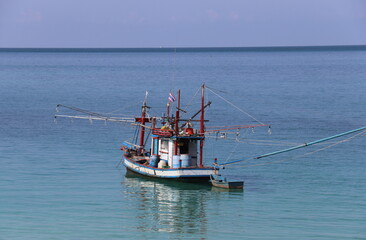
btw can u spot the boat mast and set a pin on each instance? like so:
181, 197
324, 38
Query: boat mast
143, 120
202, 123
176, 125
167, 111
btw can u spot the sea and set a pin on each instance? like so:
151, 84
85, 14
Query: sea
63, 178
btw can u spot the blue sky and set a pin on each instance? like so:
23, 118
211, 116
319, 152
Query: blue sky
188, 23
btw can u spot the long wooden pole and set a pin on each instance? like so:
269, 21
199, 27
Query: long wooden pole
299, 146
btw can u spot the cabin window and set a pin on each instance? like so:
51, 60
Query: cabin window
183, 147
164, 145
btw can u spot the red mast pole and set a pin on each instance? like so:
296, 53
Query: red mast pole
202, 125
176, 125
142, 127
142, 131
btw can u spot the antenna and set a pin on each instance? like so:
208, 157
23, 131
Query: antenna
145, 100
174, 68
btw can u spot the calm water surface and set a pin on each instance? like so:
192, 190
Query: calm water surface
60, 181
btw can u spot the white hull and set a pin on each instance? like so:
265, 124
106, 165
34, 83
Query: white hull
172, 173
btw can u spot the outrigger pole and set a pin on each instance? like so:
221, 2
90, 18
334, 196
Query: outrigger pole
297, 147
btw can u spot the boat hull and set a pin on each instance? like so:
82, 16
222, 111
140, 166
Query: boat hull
228, 185
190, 174
221, 182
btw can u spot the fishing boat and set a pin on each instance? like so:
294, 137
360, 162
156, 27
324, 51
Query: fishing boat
174, 146
173, 153
177, 146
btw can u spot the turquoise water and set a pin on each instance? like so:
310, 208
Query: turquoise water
60, 181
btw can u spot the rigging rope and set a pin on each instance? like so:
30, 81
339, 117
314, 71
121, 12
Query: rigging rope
135, 136
122, 108
190, 102
231, 153
147, 137
255, 141
172, 83
232, 104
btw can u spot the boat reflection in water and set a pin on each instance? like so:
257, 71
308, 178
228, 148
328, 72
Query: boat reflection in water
168, 206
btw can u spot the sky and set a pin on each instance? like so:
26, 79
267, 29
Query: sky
183, 23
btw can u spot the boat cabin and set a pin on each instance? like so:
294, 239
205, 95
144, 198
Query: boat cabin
174, 152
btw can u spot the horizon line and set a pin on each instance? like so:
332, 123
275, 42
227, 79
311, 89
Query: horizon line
184, 49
